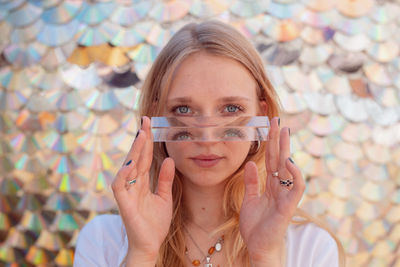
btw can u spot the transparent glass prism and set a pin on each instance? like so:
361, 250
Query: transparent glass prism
210, 129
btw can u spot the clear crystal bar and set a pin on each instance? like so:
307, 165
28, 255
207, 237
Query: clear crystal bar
206, 129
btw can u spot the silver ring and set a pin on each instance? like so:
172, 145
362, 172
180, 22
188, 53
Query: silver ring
133, 181
286, 182
275, 174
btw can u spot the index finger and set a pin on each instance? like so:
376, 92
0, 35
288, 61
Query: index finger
146, 155
136, 147
272, 147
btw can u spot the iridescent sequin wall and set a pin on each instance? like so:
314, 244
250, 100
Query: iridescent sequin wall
71, 73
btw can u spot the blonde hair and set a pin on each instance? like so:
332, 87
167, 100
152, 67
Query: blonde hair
220, 39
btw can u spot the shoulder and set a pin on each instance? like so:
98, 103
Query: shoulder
308, 232
100, 241
310, 245
103, 222
103, 226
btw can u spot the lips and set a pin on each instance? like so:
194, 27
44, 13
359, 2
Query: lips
206, 161
207, 157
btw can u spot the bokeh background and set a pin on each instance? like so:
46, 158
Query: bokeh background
71, 73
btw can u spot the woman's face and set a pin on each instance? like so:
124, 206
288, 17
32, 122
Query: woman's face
209, 85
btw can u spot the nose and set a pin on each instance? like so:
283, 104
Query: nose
209, 134
206, 143
210, 129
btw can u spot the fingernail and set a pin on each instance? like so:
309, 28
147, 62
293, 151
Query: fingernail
289, 131
279, 121
291, 160
129, 162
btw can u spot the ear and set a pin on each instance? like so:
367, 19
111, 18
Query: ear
263, 107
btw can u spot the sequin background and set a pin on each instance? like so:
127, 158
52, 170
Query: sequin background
71, 73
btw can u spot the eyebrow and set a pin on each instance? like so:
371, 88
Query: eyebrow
222, 99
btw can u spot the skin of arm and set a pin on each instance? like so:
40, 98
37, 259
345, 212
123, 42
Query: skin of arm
135, 258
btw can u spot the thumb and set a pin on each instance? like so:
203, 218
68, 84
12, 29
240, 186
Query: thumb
166, 178
251, 181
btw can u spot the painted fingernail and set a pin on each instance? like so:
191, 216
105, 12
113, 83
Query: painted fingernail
291, 160
279, 121
129, 162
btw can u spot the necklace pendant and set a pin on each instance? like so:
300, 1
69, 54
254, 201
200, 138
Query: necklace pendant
218, 246
208, 264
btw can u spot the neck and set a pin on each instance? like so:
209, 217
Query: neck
204, 205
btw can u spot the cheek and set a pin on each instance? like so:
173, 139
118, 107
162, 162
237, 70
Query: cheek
238, 151
176, 150
179, 151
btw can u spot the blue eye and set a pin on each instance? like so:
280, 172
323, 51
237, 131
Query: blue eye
232, 133
233, 108
182, 109
181, 136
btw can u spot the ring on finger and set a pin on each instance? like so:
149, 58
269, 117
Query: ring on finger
275, 174
133, 181
286, 182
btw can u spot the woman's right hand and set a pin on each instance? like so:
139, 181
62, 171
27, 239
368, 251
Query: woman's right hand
146, 215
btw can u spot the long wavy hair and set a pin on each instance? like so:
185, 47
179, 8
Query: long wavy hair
220, 39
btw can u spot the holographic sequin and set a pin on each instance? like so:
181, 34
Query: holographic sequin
24, 56
65, 257
384, 52
96, 202
97, 35
95, 13
71, 75
292, 102
320, 103
169, 11
284, 11
319, 5
315, 55
24, 15
5, 222
7, 5
282, 31
248, 8
79, 78
208, 8
158, 36
127, 37
61, 13
56, 35
68, 222
129, 15
353, 43
354, 8
316, 19
26, 34
33, 221
315, 145
37, 256
143, 53
61, 202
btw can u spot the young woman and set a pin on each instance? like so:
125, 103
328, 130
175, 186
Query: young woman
216, 203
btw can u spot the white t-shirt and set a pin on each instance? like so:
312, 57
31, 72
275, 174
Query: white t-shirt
103, 242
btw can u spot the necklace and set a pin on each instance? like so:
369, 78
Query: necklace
200, 227
217, 247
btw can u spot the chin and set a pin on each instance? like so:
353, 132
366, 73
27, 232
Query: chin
205, 178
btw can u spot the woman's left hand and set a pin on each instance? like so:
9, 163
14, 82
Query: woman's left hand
264, 218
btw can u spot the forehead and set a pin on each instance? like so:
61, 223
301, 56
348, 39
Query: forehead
205, 75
